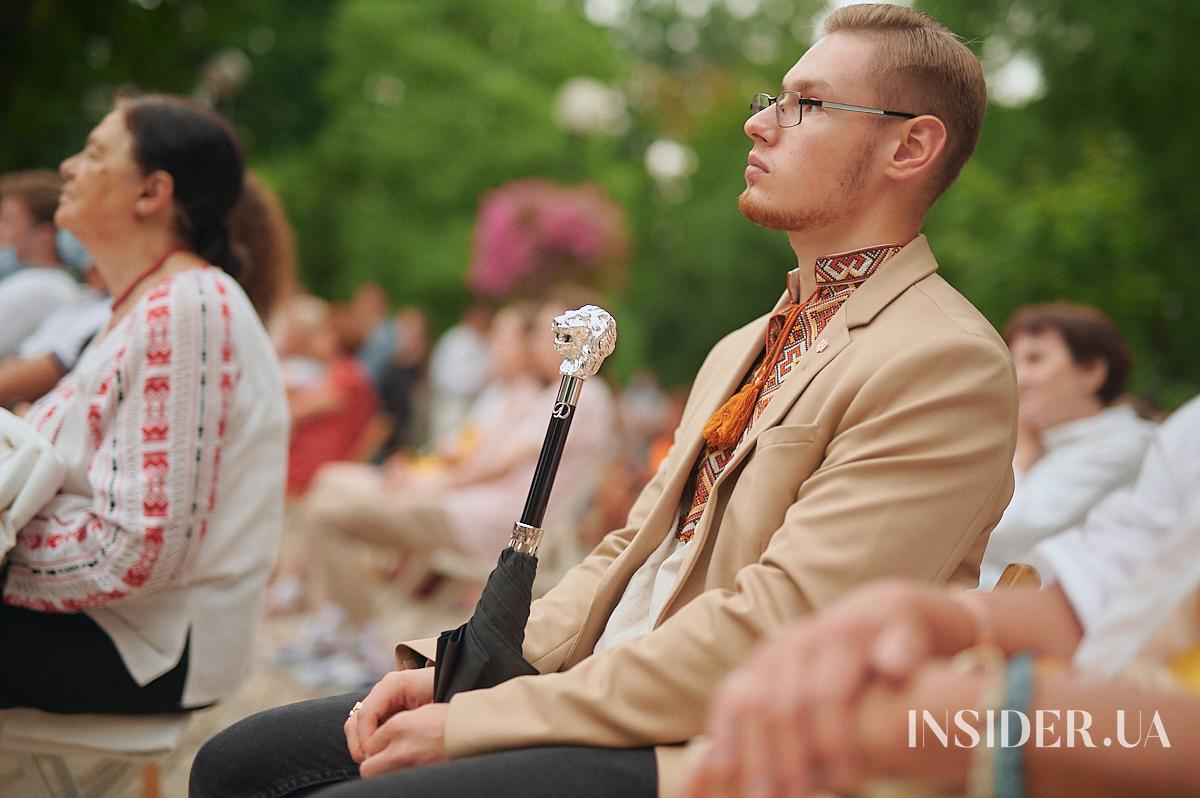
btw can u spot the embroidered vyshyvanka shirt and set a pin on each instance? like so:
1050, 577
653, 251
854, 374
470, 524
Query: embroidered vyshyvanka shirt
173, 431
838, 276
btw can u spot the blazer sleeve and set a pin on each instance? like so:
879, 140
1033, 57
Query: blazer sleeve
919, 467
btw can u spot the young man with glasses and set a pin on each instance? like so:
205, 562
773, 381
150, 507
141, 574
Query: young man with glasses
863, 428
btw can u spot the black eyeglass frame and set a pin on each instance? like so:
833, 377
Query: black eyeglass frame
803, 101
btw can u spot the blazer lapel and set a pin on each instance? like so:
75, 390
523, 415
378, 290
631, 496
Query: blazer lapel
909, 265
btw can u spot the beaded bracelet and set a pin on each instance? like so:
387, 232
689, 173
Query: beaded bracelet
1009, 758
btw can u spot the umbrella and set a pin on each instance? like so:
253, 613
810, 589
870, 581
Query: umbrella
486, 650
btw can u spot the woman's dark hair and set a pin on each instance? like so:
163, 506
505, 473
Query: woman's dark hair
1089, 334
200, 151
264, 245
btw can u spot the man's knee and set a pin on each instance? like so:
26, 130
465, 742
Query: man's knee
227, 763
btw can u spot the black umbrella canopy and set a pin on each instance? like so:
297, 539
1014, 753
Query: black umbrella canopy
486, 650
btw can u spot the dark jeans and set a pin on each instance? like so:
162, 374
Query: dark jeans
300, 749
67, 663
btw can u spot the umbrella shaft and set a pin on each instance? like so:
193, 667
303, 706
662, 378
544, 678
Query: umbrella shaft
552, 449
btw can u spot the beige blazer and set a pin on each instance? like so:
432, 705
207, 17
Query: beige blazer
886, 453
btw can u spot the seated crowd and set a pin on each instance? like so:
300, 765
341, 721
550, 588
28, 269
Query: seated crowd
871, 516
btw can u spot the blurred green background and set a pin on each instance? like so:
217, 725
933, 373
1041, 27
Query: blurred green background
383, 122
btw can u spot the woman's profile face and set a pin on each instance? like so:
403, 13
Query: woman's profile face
1051, 386
103, 182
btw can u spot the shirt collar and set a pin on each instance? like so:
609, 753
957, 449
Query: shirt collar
843, 269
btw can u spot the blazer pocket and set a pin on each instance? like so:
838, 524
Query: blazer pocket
788, 433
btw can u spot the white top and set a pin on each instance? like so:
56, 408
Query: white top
1096, 562
1084, 460
173, 431
65, 331
459, 367
26, 298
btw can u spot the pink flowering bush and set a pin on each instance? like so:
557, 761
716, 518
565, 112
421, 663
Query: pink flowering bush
532, 234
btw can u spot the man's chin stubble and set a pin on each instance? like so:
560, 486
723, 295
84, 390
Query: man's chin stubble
793, 221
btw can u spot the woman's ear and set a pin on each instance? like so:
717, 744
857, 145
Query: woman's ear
1094, 375
158, 189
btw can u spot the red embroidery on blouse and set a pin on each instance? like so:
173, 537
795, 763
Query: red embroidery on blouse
155, 467
158, 332
140, 571
157, 394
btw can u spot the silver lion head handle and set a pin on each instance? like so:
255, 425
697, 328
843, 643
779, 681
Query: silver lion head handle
584, 338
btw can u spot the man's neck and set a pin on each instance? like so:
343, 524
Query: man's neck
811, 245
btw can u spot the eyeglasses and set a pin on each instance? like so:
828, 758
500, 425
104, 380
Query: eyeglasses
789, 107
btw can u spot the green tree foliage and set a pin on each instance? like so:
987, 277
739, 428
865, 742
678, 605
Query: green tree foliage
1088, 192
383, 122
61, 61
431, 105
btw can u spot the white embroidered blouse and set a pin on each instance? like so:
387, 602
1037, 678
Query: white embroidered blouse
173, 428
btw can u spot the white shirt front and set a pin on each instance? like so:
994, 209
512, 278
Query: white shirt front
646, 594
1084, 460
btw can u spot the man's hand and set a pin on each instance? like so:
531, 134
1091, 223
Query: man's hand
396, 692
783, 725
407, 739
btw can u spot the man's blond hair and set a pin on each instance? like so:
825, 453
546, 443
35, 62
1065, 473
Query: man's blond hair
920, 66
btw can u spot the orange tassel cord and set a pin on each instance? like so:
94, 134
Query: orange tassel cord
727, 425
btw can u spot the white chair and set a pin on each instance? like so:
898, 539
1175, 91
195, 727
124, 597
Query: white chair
50, 747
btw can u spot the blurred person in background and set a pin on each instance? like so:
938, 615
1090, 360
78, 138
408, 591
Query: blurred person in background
298, 318
1077, 442
404, 391
332, 411
464, 497
458, 369
136, 590
37, 281
52, 349
378, 329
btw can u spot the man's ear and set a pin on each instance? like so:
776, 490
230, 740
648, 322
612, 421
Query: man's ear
918, 150
158, 189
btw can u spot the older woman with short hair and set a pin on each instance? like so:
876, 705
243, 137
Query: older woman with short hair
1077, 442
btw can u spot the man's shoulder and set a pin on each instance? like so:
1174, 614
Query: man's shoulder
934, 304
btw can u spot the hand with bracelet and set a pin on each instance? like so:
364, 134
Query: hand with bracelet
814, 676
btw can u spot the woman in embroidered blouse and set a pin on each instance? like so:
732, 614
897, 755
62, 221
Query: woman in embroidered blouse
136, 589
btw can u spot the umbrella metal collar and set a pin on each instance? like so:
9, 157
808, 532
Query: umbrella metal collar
525, 539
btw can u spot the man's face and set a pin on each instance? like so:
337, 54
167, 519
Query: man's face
815, 174
16, 225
